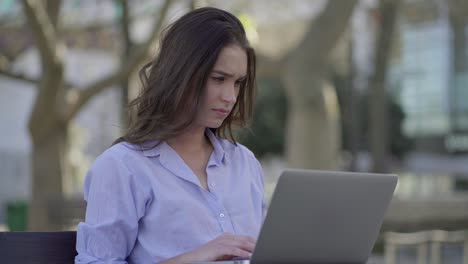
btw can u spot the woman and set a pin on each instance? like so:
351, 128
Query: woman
177, 188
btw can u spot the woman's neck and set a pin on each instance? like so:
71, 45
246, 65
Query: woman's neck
192, 141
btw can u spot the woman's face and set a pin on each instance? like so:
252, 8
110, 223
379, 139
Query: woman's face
222, 87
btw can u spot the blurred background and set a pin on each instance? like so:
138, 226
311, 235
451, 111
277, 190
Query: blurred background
354, 85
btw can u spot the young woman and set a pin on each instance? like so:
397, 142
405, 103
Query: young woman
177, 188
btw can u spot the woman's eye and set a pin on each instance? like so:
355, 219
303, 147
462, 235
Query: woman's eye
219, 79
240, 82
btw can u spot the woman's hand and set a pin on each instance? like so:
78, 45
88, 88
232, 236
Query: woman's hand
224, 247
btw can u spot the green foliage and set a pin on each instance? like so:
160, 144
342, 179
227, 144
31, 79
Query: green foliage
267, 130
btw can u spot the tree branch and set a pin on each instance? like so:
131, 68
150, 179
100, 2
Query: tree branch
78, 98
127, 47
125, 25
53, 8
51, 51
107, 24
16, 76
192, 4
5, 64
44, 32
327, 20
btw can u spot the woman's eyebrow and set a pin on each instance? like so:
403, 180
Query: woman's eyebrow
227, 74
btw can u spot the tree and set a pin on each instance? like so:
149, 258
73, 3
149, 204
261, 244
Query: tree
379, 142
458, 17
312, 126
313, 132
58, 102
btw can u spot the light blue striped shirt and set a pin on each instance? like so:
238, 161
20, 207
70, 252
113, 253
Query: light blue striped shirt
145, 206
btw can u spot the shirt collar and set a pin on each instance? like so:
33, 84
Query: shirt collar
219, 153
154, 148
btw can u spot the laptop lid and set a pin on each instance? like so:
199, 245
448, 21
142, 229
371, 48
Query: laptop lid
324, 217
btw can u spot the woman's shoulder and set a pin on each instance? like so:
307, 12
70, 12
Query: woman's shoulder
122, 152
117, 169
120, 161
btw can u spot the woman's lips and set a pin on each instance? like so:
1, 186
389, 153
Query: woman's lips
221, 112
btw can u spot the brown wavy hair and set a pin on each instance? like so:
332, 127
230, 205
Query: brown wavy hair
173, 83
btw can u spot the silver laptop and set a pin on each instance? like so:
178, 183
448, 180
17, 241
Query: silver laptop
323, 217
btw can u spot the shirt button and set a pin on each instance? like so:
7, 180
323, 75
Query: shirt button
221, 215
212, 185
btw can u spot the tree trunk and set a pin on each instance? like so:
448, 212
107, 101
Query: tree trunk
458, 14
313, 139
313, 133
459, 46
49, 168
127, 47
352, 111
57, 103
379, 143
458, 20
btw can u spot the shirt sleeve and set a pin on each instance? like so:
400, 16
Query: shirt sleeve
115, 203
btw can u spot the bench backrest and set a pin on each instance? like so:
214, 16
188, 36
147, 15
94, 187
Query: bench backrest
38, 247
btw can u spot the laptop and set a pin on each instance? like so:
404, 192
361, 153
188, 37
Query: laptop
322, 217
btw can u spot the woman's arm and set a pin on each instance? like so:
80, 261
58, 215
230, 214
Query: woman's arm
115, 203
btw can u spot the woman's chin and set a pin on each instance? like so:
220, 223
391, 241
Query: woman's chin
214, 124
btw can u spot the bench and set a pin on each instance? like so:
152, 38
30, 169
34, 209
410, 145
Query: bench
38, 247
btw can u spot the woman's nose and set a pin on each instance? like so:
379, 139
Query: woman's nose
230, 93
